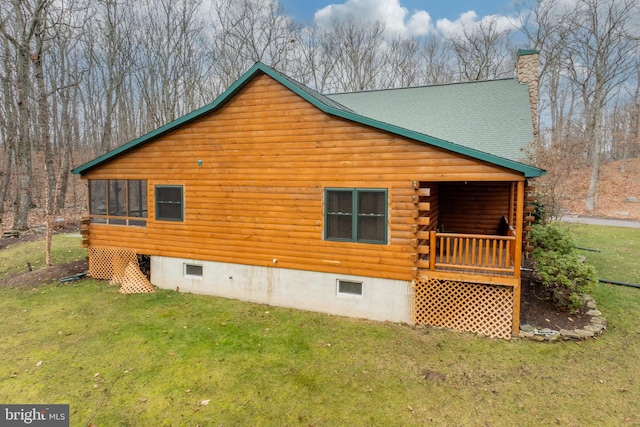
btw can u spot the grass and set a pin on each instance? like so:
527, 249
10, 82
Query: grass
178, 359
619, 250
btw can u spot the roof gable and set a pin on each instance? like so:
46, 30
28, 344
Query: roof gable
326, 104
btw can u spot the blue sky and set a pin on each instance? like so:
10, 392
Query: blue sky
407, 17
303, 10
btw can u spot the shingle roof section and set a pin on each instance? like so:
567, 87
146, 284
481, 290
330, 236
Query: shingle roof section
491, 116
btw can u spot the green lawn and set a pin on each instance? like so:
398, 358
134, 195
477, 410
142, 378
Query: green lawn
619, 256
178, 359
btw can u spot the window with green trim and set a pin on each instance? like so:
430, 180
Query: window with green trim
118, 201
356, 215
169, 202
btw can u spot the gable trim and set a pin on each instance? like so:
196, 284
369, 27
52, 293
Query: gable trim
327, 106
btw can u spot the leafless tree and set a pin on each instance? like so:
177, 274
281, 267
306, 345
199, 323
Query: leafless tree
600, 46
248, 31
403, 63
111, 51
359, 51
19, 22
8, 130
168, 62
436, 59
483, 52
310, 64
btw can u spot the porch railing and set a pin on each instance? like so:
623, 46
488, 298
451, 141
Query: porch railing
486, 253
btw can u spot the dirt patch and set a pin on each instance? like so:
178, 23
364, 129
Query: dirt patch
45, 275
22, 238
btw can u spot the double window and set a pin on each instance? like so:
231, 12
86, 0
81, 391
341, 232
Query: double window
356, 215
118, 201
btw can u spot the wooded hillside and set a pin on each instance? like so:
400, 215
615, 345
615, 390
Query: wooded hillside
81, 77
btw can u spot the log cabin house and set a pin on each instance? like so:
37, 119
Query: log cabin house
404, 205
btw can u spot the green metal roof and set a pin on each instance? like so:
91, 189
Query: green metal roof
330, 105
492, 116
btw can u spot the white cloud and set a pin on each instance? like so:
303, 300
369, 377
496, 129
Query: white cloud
397, 19
465, 20
420, 24
468, 21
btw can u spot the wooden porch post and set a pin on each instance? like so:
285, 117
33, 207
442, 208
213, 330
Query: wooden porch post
512, 195
432, 250
518, 256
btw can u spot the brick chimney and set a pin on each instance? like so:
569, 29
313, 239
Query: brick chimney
528, 73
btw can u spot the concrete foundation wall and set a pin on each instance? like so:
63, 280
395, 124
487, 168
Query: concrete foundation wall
381, 299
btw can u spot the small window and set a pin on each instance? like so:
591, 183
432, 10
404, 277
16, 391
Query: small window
169, 203
346, 287
193, 270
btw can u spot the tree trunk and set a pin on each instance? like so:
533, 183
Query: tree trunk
44, 130
9, 160
23, 143
8, 127
592, 193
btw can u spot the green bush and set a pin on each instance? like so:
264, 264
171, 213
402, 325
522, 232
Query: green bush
559, 267
551, 237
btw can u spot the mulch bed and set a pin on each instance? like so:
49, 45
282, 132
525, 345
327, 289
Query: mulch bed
538, 309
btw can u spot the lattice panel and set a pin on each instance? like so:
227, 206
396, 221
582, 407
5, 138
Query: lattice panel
119, 266
134, 281
473, 307
105, 262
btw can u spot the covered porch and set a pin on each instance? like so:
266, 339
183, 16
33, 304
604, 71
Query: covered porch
469, 253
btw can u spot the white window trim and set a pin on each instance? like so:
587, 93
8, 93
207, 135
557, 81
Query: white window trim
192, 276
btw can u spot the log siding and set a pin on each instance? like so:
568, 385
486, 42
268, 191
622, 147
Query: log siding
254, 174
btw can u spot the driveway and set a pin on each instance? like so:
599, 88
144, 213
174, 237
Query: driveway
600, 221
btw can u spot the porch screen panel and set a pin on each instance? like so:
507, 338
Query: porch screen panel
138, 198
339, 217
117, 195
137, 203
98, 199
